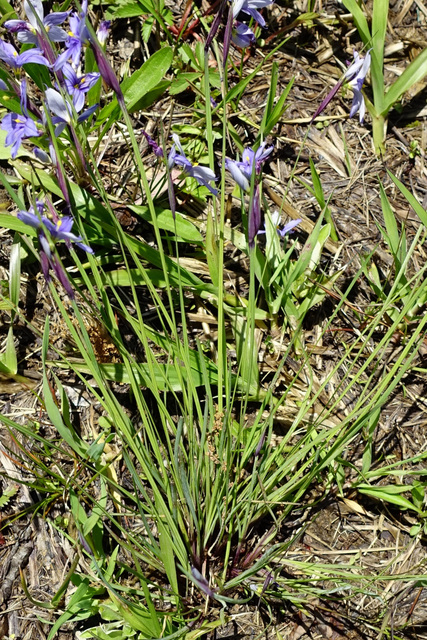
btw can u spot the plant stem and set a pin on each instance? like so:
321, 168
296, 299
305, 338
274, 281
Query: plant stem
379, 127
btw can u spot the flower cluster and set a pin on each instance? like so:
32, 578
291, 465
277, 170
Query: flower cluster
56, 42
66, 96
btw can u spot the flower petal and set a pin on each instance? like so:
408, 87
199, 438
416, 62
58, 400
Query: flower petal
57, 104
236, 174
34, 10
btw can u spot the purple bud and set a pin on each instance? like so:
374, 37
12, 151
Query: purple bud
102, 32
106, 70
260, 443
158, 151
84, 544
44, 261
62, 276
41, 155
227, 37
201, 582
215, 25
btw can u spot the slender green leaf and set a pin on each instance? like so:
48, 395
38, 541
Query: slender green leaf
419, 210
68, 434
390, 223
359, 20
413, 74
389, 493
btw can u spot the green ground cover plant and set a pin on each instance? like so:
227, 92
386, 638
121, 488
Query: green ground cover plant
175, 502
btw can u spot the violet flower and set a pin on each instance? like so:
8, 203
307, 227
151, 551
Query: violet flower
63, 110
9, 54
19, 126
355, 75
57, 231
78, 86
250, 7
242, 36
177, 157
77, 36
241, 171
287, 228
28, 32
49, 234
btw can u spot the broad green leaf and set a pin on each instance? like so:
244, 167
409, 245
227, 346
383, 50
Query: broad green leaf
379, 28
151, 96
246, 349
167, 377
147, 77
129, 10
7, 10
183, 81
183, 228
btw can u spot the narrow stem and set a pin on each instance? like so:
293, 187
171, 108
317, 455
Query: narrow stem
379, 127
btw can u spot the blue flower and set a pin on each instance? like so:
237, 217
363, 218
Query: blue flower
355, 75
28, 31
242, 35
57, 231
19, 126
63, 110
241, 171
78, 86
9, 54
77, 36
177, 157
250, 7
287, 228
61, 230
